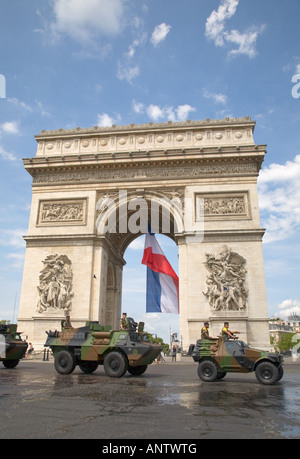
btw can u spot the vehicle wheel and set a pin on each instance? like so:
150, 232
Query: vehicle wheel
88, 367
207, 371
64, 363
10, 363
137, 371
221, 374
115, 364
267, 373
280, 373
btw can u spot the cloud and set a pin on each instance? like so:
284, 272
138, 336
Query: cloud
137, 244
183, 111
281, 173
10, 127
157, 113
246, 41
126, 69
154, 112
215, 30
104, 120
279, 199
19, 103
18, 260
13, 238
85, 20
37, 107
288, 308
215, 23
217, 98
138, 42
7, 155
178, 114
161, 325
127, 72
138, 107
159, 34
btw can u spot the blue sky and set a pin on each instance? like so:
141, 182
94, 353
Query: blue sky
69, 63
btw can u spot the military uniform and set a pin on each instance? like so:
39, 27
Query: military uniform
124, 323
227, 334
224, 332
205, 332
66, 323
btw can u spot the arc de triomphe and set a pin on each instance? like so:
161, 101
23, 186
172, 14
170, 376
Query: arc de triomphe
90, 191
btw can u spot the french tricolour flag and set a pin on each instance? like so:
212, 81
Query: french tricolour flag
162, 281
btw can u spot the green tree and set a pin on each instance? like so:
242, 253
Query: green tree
285, 342
157, 340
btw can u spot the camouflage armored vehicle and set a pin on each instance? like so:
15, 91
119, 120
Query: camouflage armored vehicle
118, 351
12, 347
217, 357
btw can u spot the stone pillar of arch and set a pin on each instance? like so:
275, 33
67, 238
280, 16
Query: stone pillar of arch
94, 191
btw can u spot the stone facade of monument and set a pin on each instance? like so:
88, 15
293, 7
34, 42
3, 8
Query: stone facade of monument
87, 185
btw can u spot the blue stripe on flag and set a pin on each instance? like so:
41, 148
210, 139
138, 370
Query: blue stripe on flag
153, 297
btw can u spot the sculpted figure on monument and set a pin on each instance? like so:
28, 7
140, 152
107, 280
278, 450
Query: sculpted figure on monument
224, 206
55, 288
226, 281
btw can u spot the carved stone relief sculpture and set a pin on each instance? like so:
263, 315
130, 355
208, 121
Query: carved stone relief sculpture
227, 206
62, 212
55, 284
226, 281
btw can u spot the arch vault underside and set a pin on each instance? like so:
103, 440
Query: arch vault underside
95, 190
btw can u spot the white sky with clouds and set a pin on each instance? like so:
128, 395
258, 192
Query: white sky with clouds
70, 63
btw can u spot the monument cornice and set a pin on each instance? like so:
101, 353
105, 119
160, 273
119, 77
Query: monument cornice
153, 137
231, 235
166, 170
242, 160
64, 240
150, 155
150, 127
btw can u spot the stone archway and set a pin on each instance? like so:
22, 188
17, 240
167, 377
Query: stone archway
87, 186
121, 218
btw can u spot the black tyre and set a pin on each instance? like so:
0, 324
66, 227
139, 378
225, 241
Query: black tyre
88, 367
221, 374
115, 364
267, 373
280, 372
10, 363
64, 363
208, 371
137, 371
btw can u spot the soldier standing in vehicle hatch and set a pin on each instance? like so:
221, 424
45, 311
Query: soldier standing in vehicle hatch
227, 334
205, 332
66, 323
124, 322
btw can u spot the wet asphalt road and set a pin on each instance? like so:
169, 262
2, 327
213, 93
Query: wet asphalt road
168, 402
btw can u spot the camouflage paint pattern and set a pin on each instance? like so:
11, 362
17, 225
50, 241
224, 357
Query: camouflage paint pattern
94, 342
15, 347
233, 355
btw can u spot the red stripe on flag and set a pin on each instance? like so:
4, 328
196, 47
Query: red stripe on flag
158, 263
